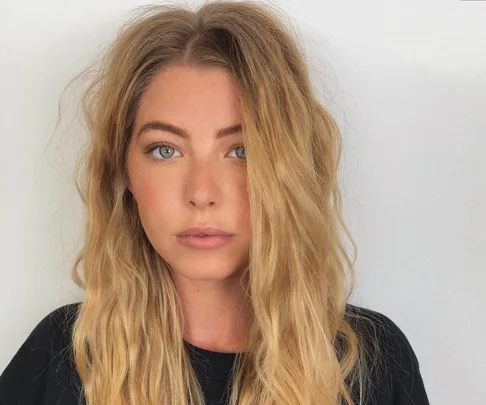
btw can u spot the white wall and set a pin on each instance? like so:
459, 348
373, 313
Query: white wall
408, 81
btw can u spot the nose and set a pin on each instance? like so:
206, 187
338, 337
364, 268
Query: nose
202, 183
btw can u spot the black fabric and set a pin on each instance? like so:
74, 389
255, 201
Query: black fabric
42, 371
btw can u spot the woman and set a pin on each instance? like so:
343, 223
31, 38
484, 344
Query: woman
213, 267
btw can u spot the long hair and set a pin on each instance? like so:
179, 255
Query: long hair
128, 335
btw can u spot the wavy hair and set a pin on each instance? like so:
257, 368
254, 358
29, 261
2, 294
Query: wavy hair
128, 335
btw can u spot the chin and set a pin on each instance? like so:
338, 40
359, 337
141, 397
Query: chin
207, 270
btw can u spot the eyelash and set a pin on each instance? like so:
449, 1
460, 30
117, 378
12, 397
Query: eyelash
156, 145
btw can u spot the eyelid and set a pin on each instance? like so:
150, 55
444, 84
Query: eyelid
155, 145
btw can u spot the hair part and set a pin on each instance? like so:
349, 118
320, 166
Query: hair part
128, 335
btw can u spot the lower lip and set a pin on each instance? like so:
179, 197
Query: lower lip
205, 242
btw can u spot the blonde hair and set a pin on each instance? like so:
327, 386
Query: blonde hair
128, 335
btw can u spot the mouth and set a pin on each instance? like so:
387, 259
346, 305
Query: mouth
204, 232
204, 242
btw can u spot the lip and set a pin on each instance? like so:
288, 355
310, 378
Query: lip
205, 242
206, 230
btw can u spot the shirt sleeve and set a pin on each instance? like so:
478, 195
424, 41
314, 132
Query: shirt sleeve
23, 378
396, 372
407, 383
27, 376
393, 371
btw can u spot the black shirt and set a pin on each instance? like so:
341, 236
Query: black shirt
42, 371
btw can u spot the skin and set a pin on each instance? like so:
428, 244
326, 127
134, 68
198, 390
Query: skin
201, 182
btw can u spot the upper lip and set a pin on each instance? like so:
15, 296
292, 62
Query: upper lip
207, 230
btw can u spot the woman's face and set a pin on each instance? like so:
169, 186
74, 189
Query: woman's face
198, 180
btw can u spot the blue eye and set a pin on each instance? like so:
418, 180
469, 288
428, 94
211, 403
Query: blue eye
241, 148
167, 151
163, 148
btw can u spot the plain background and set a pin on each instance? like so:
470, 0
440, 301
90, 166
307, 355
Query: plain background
406, 81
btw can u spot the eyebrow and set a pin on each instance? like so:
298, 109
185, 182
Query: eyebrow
166, 127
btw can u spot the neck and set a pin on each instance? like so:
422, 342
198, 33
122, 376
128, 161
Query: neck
215, 312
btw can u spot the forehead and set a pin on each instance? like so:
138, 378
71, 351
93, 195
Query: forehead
191, 95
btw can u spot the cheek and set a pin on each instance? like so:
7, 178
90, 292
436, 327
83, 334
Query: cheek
162, 202
156, 203
242, 206
148, 195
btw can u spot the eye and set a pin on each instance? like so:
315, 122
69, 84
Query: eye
166, 151
240, 151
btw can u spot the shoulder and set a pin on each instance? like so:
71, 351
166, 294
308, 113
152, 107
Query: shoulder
53, 332
375, 327
43, 358
393, 366
57, 323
